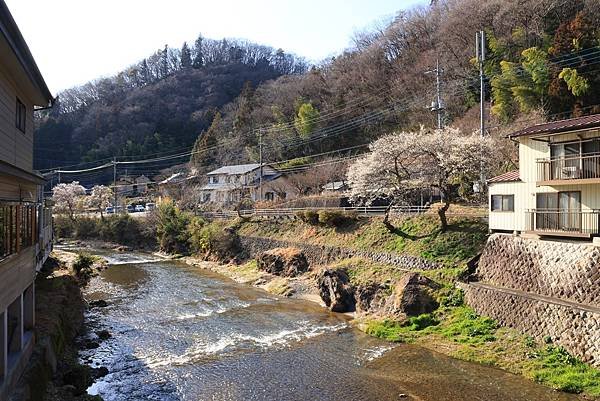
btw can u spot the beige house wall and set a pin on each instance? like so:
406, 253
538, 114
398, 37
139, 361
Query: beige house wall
525, 192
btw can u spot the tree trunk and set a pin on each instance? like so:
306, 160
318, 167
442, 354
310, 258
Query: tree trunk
442, 213
386, 220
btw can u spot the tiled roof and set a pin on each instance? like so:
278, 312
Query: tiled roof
571, 124
237, 169
506, 177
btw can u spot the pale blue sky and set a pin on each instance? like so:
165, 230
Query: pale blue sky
74, 41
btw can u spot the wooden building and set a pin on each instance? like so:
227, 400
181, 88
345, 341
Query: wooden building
556, 191
25, 231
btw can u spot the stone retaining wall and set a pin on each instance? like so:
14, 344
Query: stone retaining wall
567, 271
575, 328
322, 255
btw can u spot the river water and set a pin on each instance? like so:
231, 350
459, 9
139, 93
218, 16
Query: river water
181, 333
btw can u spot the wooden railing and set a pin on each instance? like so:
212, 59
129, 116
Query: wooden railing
18, 227
563, 222
586, 166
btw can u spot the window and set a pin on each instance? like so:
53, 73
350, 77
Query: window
503, 203
20, 116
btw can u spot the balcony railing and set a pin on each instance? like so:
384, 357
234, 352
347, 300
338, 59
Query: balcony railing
586, 166
18, 227
561, 222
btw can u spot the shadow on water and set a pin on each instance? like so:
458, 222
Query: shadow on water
180, 333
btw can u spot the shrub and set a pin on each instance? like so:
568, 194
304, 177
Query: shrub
308, 216
213, 239
63, 227
335, 218
171, 228
84, 261
85, 227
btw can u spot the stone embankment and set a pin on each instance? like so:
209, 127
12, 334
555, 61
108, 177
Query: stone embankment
547, 289
322, 254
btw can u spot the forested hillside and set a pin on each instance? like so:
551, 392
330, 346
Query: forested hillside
158, 105
543, 62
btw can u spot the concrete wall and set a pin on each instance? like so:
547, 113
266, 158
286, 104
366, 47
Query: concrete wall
543, 288
322, 255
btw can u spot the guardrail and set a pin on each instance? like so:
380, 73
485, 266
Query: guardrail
361, 211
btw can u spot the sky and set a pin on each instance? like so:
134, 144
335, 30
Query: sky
74, 41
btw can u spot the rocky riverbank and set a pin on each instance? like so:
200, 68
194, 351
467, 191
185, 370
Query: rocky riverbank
54, 372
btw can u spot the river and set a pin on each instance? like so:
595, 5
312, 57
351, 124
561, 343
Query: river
182, 333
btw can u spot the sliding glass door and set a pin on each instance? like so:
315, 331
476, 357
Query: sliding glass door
559, 211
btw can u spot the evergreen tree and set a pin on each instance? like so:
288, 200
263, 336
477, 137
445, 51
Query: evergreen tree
205, 150
198, 60
186, 56
164, 62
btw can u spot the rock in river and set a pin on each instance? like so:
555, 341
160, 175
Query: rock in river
413, 296
336, 291
288, 262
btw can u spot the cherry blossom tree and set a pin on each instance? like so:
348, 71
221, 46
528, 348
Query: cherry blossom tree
401, 163
100, 198
67, 198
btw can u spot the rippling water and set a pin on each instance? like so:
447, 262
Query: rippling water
180, 333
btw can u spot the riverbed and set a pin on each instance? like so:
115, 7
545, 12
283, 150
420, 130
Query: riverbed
183, 333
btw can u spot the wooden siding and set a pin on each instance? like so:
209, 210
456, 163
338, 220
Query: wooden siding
16, 147
525, 192
17, 272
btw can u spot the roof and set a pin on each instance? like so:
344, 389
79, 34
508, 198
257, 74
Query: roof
506, 177
14, 38
335, 186
554, 127
236, 169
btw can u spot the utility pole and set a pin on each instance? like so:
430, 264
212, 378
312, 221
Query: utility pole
437, 104
260, 161
480, 48
115, 184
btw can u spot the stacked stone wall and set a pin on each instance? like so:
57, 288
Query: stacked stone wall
565, 270
323, 255
543, 288
575, 328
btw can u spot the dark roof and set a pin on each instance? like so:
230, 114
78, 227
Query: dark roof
235, 170
10, 30
554, 127
506, 177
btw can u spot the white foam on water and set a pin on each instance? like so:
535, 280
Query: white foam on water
201, 350
220, 310
376, 352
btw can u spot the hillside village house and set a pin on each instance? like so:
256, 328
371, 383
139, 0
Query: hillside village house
128, 185
24, 222
556, 190
229, 184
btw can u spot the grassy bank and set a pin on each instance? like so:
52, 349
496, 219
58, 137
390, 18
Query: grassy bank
419, 236
459, 332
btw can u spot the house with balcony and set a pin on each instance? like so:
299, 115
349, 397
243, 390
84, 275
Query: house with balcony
230, 184
25, 220
556, 191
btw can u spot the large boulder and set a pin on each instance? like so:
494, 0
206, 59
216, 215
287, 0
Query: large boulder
412, 296
288, 262
370, 297
336, 291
